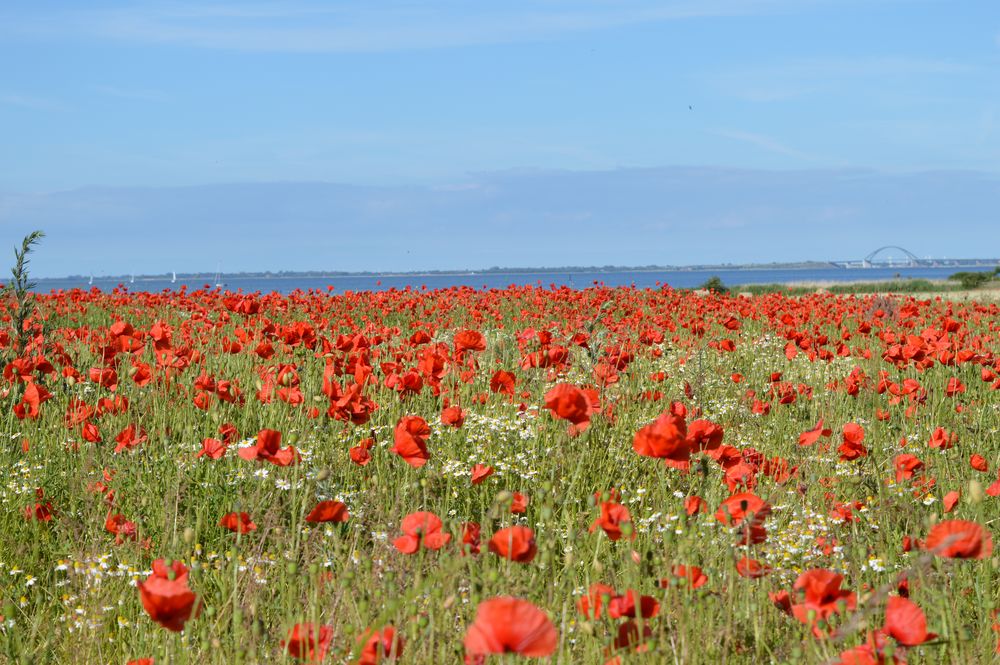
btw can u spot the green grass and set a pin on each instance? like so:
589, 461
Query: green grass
68, 590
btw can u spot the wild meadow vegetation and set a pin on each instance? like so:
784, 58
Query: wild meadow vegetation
607, 475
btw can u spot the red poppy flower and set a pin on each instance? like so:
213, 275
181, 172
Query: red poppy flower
751, 568
359, 453
510, 625
597, 597
166, 597
120, 527
470, 538
308, 642
385, 644
237, 522
906, 466
704, 435
613, 516
268, 448
692, 574
130, 437
453, 416
746, 512
823, 596
32, 400
942, 439
810, 437
905, 622
410, 438
950, 500
695, 504
569, 402
516, 543
979, 463
421, 527
852, 448
480, 473
212, 448
625, 605
469, 340
328, 511
519, 504
959, 539
664, 438
503, 382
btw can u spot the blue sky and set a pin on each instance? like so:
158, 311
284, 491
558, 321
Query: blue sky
129, 114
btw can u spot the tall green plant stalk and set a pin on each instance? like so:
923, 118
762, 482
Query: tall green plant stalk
19, 291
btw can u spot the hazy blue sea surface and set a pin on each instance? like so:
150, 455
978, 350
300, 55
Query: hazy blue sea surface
578, 280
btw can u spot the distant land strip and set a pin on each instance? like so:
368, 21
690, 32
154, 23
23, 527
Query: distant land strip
497, 270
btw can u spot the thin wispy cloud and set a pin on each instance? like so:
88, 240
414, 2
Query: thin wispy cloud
765, 142
32, 102
137, 94
797, 78
372, 27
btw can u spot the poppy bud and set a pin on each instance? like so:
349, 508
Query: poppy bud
975, 494
189, 535
132, 371
503, 497
293, 438
322, 475
598, 567
71, 381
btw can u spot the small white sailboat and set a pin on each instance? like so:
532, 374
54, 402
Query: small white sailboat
91, 282
218, 278
173, 277
131, 279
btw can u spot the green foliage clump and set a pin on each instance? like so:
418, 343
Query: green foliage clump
972, 280
715, 285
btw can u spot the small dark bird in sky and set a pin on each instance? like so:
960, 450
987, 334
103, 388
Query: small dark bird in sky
690, 108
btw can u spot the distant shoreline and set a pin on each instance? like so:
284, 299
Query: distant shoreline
568, 270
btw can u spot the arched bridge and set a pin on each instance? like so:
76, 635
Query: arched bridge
911, 260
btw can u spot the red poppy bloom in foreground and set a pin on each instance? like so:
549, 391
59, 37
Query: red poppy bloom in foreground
166, 597
613, 517
380, 644
308, 642
960, 540
822, 596
905, 622
665, 438
238, 522
570, 403
268, 448
421, 527
692, 574
411, 440
212, 448
510, 625
328, 511
481, 472
516, 543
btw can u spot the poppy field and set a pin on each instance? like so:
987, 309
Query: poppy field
605, 475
